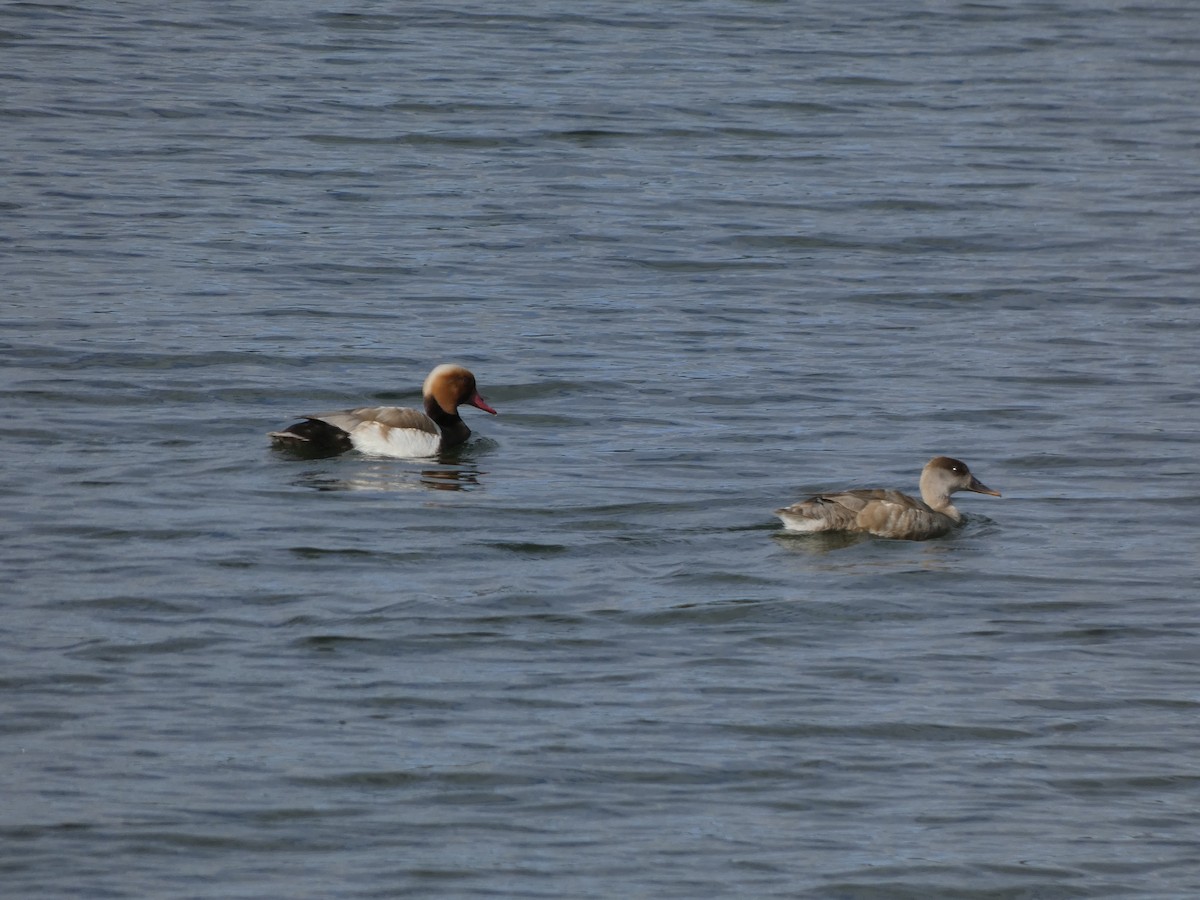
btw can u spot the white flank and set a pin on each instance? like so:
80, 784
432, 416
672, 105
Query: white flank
802, 523
376, 439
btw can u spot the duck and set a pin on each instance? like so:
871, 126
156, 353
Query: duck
887, 513
392, 430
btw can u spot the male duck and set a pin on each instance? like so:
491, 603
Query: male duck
891, 514
392, 430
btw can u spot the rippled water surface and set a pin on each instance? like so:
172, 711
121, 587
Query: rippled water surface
705, 259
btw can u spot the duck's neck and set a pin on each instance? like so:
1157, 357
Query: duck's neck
454, 429
937, 499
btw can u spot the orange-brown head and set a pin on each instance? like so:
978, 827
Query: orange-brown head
451, 385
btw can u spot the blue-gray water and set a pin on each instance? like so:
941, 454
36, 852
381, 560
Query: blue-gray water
705, 258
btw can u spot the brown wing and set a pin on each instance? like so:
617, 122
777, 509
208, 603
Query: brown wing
846, 511
391, 416
911, 520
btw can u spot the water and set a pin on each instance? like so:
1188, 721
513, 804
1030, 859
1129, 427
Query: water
705, 259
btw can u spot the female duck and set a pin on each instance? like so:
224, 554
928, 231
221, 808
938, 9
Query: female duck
393, 430
891, 514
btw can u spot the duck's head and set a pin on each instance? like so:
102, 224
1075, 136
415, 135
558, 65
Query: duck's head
943, 475
451, 385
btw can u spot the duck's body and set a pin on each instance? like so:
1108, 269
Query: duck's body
393, 430
890, 514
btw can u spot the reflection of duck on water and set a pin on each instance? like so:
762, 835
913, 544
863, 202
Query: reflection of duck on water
449, 479
890, 514
384, 479
392, 430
